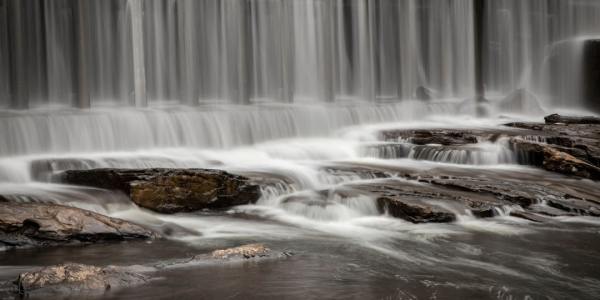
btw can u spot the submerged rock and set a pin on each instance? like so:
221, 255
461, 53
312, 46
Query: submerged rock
76, 280
171, 190
73, 278
37, 224
418, 202
249, 252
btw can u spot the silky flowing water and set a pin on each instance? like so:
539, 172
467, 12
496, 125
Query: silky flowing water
290, 89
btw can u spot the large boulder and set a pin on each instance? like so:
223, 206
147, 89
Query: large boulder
171, 190
38, 224
552, 159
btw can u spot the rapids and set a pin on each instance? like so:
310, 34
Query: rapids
297, 91
344, 247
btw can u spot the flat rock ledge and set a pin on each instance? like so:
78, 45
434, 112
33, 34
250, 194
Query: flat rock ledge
171, 190
443, 194
72, 279
563, 144
25, 225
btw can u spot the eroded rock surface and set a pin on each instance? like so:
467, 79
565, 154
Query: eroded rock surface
440, 194
556, 118
551, 158
77, 280
245, 251
566, 145
171, 190
38, 224
73, 278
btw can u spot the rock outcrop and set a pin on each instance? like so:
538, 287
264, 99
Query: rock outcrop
77, 280
566, 145
445, 137
37, 224
441, 194
70, 279
171, 190
553, 159
556, 119
245, 251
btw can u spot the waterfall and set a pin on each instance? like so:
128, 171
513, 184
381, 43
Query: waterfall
240, 51
538, 45
181, 53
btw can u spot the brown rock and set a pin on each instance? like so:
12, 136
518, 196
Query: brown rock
529, 216
425, 203
245, 251
556, 118
37, 224
73, 278
445, 137
171, 190
551, 159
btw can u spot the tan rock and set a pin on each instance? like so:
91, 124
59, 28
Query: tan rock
40, 224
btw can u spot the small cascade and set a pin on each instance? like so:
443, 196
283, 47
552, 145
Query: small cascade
483, 153
328, 207
221, 126
506, 210
480, 154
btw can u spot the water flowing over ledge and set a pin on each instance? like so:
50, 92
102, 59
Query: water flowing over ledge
140, 53
199, 127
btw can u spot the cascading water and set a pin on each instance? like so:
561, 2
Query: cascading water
295, 95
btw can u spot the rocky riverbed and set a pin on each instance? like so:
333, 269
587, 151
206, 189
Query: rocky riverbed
415, 179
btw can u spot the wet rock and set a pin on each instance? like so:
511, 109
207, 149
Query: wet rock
44, 169
73, 279
37, 224
526, 193
171, 190
591, 73
529, 216
78, 280
480, 191
413, 211
445, 137
249, 252
581, 141
576, 206
552, 159
424, 203
556, 118
245, 251
424, 94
